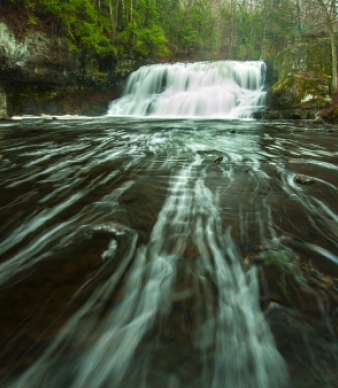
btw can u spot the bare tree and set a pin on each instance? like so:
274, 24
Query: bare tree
330, 18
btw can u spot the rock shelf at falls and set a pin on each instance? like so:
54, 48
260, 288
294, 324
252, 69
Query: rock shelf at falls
222, 89
129, 258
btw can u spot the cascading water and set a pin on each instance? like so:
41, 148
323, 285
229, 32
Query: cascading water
223, 89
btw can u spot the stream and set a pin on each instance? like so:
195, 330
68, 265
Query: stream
182, 253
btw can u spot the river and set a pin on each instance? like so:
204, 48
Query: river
130, 258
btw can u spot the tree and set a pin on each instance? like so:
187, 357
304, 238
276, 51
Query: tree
330, 18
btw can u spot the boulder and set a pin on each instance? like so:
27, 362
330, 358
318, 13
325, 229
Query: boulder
303, 90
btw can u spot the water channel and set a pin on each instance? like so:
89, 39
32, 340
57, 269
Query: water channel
156, 252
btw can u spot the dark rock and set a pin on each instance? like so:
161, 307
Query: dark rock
3, 105
304, 179
286, 114
300, 114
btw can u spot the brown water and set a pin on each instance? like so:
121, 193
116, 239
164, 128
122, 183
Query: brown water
130, 259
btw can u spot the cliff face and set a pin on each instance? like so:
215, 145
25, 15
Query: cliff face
39, 74
36, 60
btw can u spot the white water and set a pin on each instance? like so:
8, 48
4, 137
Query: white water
223, 89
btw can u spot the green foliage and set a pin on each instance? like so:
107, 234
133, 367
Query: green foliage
152, 28
85, 25
32, 20
29, 4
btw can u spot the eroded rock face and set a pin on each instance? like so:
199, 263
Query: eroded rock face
3, 105
38, 59
305, 90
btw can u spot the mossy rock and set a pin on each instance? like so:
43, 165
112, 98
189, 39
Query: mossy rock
330, 114
314, 55
306, 90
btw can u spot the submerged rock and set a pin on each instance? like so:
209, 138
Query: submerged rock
304, 179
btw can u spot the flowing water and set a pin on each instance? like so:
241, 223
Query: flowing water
125, 248
147, 252
223, 89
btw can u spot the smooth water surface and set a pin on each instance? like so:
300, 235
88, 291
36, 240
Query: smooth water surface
129, 258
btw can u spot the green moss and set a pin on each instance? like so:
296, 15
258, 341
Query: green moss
302, 90
335, 114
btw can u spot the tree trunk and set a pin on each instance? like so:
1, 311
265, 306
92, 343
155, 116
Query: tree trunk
333, 62
116, 19
232, 27
329, 20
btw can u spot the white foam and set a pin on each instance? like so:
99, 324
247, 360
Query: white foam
223, 89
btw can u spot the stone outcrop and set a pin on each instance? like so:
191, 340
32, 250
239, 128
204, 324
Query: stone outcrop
302, 81
39, 74
37, 59
304, 90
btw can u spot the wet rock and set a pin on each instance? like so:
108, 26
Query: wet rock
109, 228
285, 114
304, 179
270, 252
312, 114
297, 161
3, 105
318, 120
219, 159
268, 114
300, 114
48, 119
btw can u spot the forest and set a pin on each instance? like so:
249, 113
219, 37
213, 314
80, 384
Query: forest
208, 29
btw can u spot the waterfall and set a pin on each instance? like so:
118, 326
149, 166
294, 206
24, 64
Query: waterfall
222, 89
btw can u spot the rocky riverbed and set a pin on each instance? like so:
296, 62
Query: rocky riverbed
128, 254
